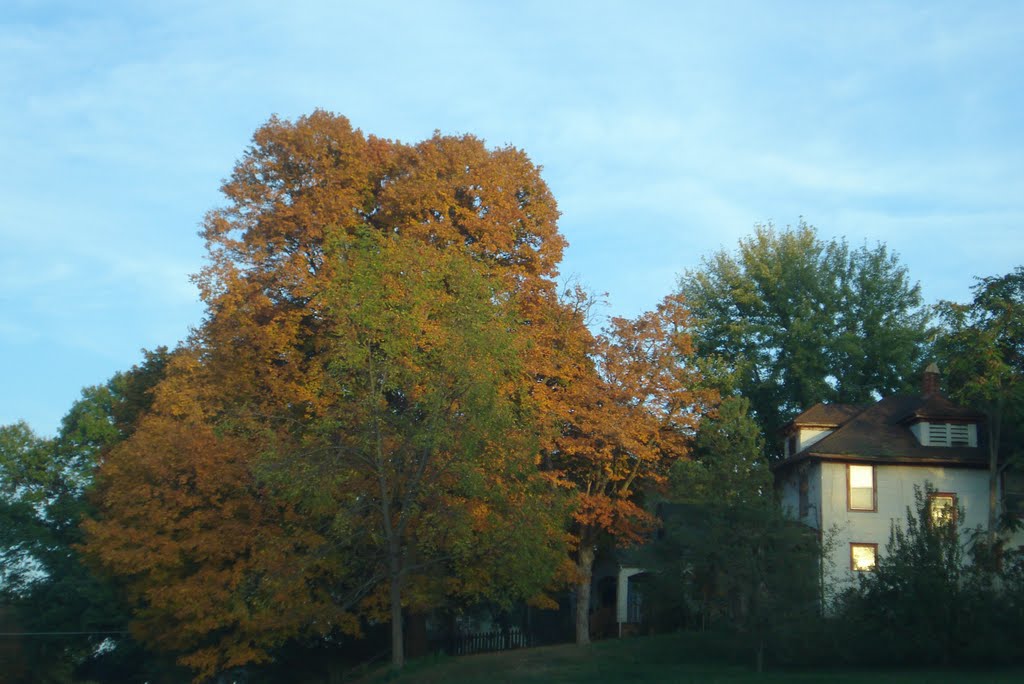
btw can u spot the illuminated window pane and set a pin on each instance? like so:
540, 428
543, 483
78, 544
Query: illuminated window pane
942, 508
862, 488
863, 557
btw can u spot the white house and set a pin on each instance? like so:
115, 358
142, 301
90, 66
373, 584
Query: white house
848, 471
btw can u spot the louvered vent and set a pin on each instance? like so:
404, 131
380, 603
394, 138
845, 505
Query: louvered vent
958, 435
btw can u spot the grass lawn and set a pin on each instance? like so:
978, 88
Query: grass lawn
675, 659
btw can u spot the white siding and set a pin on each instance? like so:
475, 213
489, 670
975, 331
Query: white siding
808, 436
789, 492
920, 430
895, 492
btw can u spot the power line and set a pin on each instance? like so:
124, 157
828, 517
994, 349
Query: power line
54, 634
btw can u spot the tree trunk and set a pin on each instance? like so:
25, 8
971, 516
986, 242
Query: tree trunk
397, 636
585, 565
995, 417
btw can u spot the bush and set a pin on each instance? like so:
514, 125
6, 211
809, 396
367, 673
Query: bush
934, 599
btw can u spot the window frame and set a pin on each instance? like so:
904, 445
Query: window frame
874, 489
867, 545
1011, 486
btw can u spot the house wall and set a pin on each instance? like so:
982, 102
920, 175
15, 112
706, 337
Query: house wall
789, 492
895, 492
787, 486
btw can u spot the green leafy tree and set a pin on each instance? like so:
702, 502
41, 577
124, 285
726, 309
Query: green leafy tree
728, 553
933, 598
981, 347
728, 465
799, 320
44, 488
426, 464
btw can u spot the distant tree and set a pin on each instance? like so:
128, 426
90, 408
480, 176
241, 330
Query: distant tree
981, 347
799, 320
728, 464
727, 550
44, 494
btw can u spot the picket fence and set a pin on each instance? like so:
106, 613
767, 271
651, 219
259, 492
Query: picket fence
485, 642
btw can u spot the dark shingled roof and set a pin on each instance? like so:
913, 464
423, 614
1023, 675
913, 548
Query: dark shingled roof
826, 415
939, 407
881, 434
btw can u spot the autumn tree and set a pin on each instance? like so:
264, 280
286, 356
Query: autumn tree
627, 409
981, 346
345, 434
801, 320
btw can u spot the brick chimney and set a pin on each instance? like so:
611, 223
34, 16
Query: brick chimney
930, 381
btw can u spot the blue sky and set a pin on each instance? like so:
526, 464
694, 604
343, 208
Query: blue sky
666, 131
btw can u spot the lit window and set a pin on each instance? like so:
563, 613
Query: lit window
861, 481
863, 557
942, 508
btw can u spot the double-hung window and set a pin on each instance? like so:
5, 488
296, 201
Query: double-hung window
861, 488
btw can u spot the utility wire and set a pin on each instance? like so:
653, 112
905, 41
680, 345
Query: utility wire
12, 634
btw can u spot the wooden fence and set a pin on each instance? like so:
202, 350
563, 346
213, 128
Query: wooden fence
484, 642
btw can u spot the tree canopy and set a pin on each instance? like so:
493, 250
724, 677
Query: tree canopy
799, 320
981, 347
729, 465
353, 430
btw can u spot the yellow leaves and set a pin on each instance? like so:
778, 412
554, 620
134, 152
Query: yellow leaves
627, 404
204, 548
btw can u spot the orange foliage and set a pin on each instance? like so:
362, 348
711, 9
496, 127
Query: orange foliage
626, 405
320, 450
214, 563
